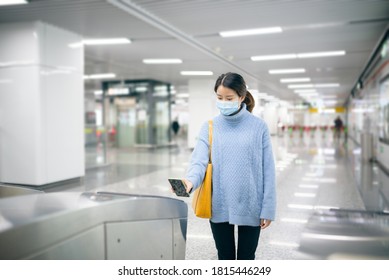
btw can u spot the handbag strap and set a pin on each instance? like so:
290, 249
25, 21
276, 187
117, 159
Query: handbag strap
210, 128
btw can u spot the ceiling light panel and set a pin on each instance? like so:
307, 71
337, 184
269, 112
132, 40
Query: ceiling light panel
295, 80
250, 32
286, 71
108, 41
313, 86
326, 85
162, 61
302, 86
12, 2
299, 55
321, 54
99, 76
196, 73
273, 57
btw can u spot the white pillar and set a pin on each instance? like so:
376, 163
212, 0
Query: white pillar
202, 107
41, 104
270, 116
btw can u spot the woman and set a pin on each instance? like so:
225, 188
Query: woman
243, 170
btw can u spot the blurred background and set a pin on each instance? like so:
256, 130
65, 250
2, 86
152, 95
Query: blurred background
109, 96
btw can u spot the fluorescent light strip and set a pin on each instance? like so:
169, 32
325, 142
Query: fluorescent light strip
108, 41
12, 2
295, 80
302, 86
99, 76
294, 56
287, 71
273, 57
162, 61
320, 54
313, 86
326, 85
196, 73
249, 32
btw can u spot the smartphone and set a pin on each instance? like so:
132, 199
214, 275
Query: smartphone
178, 187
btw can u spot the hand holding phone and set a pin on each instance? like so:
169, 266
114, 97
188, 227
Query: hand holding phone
179, 187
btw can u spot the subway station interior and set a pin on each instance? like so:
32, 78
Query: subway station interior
90, 89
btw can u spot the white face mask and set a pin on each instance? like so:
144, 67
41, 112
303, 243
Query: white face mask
228, 107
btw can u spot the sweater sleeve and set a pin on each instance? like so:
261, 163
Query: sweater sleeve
199, 159
269, 182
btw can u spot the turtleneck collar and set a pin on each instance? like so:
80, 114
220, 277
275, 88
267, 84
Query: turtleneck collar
242, 114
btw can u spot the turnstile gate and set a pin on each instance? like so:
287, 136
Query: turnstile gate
92, 226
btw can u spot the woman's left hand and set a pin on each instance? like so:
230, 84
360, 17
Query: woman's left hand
265, 223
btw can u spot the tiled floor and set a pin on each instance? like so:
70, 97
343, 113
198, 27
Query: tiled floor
313, 172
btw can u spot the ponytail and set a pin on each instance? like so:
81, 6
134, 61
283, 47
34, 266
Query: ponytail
249, 101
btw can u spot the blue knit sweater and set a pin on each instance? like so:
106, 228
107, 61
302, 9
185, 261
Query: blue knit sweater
243, 169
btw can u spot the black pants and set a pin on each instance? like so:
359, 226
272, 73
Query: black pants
223, 234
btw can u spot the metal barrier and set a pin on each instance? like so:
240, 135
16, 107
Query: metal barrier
92, 226
347, 234
8, 191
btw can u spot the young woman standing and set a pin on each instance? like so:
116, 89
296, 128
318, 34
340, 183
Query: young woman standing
243, 170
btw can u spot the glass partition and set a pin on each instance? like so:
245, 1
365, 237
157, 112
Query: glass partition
147, 121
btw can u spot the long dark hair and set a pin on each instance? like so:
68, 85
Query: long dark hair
236, 82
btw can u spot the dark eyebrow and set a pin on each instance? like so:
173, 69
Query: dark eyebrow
228, 96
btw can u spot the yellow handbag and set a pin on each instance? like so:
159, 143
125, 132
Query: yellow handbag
202, 197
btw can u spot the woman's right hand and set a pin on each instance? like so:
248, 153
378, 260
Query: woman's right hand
188, 185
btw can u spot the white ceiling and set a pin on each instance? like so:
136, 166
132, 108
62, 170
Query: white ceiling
308, 26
